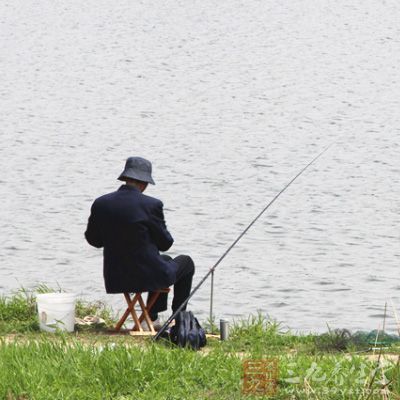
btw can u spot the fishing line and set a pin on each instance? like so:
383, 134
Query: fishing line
211, 271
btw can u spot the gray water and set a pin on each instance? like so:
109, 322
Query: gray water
229, 100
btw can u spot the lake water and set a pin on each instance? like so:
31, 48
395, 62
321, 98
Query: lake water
229, 100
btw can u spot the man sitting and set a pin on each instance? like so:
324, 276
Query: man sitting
130, 226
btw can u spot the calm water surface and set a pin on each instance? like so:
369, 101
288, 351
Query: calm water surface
229, 101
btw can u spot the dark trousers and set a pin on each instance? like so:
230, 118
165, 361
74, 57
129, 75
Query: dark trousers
182, 286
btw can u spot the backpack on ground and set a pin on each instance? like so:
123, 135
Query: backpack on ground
187, 331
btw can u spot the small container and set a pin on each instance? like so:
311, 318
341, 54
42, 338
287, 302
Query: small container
56, 311
224, 329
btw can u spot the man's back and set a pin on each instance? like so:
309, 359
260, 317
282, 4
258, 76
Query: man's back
131, 228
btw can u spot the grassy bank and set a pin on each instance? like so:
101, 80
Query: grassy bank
92, 364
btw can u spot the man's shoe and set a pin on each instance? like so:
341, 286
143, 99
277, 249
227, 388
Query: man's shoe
157, 325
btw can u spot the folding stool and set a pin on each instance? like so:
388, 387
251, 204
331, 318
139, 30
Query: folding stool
145, 310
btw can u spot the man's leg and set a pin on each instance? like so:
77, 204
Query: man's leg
161, 303
183, 283
182, 286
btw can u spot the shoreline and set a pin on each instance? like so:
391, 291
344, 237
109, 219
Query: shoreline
91, 363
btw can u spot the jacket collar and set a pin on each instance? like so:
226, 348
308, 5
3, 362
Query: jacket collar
130, 188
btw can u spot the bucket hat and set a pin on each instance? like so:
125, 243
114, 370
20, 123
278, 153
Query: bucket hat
137, 168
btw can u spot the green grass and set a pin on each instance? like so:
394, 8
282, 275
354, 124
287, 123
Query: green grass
18, 313
69, 369
45, 370
96, 365
258, 335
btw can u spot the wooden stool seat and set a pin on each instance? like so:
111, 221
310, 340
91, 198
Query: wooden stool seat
144, 310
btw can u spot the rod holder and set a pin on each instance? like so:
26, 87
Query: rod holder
224, 329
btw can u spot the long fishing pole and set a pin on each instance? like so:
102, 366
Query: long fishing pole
169, 320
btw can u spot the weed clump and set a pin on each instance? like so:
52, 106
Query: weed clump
334, 340
18, 313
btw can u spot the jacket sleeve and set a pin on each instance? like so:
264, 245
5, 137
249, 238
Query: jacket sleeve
93, 234
158, 228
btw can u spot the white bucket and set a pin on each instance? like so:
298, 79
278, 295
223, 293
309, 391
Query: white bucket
56, 311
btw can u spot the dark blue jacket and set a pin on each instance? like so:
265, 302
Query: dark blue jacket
131, 228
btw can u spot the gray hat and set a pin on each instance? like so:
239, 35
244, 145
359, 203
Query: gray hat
137, 168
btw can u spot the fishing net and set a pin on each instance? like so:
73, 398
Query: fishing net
374, 338
343, 339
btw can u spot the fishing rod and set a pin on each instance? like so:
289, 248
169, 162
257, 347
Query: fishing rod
212, 269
